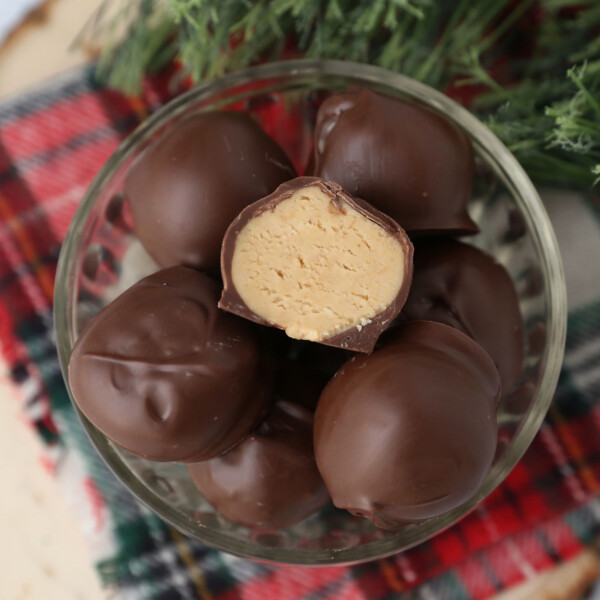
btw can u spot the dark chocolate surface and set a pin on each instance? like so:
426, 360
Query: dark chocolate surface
304, 368
299, 383
187, 187
165, 374
462, 286
409, 432
270, 481
325, 359
407, 161
359, 339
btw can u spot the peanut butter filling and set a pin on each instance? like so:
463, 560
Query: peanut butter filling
316, 267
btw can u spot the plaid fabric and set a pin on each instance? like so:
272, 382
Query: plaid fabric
52, 142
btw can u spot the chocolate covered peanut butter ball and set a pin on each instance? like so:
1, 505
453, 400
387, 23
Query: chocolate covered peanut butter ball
409, 432
166, 375
406, 160
270, 481
462, 286
188, 185
317, 263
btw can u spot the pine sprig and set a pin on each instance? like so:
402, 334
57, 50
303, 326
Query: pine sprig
551, 119
138, 39
545, 105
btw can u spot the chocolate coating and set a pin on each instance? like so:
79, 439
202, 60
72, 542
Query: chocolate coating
270, 481
165, 374
187, 187
462, 286
409, 432
360, 338
404, 159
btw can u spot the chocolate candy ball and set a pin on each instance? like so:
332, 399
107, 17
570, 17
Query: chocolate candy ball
187, 187
317, 263
466, 288
407, 161
409, 432
270, 481
166, 375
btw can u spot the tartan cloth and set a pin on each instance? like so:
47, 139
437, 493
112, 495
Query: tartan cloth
52, 142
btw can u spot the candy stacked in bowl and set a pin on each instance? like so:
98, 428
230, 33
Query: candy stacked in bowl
330, 366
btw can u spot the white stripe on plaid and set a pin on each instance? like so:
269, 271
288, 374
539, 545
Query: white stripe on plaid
406, 569
586, 353
518, 558
561, 460
589, 380
62, 202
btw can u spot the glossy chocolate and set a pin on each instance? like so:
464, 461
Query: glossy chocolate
461, 286
165, 374
404, 159
270, 481
409, 432
360, 338
189, 184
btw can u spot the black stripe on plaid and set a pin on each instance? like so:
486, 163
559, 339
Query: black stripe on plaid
72, 83
69, 147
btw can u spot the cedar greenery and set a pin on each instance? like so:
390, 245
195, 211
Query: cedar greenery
535, 64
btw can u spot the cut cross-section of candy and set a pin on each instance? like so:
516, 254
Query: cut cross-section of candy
321, 265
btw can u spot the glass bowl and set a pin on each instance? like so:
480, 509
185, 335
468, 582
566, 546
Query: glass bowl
101, 257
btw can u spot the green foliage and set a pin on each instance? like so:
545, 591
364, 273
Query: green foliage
547, 110
551, 118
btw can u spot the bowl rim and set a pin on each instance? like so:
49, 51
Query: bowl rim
513, 176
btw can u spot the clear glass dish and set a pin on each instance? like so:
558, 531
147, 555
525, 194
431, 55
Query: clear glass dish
101, 257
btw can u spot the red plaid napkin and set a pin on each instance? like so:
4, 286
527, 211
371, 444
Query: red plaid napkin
52, 142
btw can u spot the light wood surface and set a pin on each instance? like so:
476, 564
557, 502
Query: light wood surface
42, 552
40, 48
567, 582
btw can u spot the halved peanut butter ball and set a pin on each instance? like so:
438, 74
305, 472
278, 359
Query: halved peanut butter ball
314, 261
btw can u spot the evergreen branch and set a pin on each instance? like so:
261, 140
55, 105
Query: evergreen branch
551, 121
